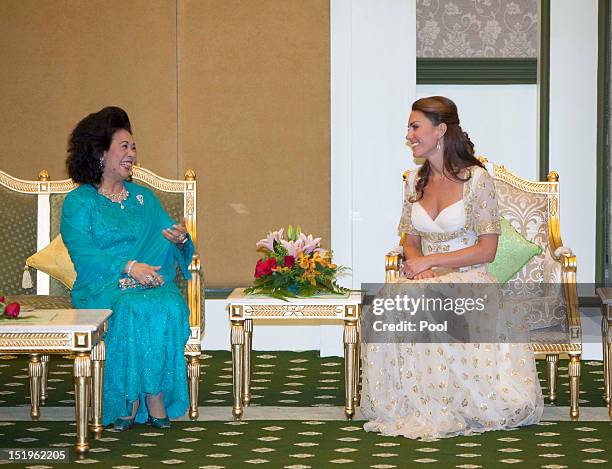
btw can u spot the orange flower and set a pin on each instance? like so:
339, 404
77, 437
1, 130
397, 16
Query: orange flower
306, 262
310, 276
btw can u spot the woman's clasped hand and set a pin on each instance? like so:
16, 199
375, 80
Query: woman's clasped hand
145, 274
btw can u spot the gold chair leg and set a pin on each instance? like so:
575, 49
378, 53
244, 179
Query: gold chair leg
608, 359
605, 342
35, 372
350, 344
357, 380
82, 371
98, 357
551, 375
246, 360
574, 377
193, 374
610, 372
237, 341
44, 390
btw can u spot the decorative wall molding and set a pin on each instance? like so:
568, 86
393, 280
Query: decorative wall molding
477, 71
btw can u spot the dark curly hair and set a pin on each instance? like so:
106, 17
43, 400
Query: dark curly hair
458, 148
90, 139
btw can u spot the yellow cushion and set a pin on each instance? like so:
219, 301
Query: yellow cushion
55, 261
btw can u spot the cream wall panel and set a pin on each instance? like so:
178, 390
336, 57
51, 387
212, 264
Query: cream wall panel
61, 60
254, 123
373, 84
573, 124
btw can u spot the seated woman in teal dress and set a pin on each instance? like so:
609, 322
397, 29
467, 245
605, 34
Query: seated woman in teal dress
125, 249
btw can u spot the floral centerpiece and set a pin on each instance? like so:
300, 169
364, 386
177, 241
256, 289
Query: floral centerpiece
294, 266
10, 310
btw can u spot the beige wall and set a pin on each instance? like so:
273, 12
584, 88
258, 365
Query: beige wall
237, 90
61, 60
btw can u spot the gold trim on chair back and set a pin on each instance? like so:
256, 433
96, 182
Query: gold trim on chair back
42, 186
550, 189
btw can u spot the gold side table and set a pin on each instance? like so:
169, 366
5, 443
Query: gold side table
244, 309
77, 331
605, 295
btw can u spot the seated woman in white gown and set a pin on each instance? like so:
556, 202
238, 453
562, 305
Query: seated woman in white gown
450, 221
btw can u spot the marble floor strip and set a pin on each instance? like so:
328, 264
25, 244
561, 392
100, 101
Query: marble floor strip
224, 413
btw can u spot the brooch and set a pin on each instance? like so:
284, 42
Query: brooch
140, 199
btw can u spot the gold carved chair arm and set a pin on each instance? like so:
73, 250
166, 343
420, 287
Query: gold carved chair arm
393, 263
566, 257
568, 276
194, 292
560, 269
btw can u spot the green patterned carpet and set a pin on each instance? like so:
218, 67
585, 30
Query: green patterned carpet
314, 444
299, 379
279, 379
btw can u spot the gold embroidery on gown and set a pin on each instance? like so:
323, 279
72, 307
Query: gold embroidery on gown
436, 390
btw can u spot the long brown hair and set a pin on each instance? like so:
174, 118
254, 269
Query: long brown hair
458, 148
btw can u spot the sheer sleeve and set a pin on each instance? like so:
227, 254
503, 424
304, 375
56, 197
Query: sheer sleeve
485, 213
182, 254
405, 223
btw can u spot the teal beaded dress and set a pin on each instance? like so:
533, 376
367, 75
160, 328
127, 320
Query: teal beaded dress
149, 328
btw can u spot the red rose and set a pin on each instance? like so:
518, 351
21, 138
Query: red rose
264, 268
12, 310
2, 299
289, 261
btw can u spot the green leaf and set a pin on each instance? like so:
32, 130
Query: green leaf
279, 249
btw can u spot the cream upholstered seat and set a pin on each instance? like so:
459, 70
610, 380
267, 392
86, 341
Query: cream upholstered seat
39, 204
546, 285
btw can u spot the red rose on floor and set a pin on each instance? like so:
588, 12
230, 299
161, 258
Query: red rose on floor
12, 310
289, 261
265, 267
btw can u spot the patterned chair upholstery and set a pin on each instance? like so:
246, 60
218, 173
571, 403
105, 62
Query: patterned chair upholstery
39, 205
546, 286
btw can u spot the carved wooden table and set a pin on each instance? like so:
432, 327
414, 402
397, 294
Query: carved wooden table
605, 295
57, 331
244, 309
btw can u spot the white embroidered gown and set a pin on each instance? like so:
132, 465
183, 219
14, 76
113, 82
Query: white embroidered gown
436, 390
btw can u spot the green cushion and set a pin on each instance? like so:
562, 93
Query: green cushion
513, 252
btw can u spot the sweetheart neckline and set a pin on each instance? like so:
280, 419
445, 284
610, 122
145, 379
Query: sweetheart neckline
441, 211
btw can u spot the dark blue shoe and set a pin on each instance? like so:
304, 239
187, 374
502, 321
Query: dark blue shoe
123, 424
163, 423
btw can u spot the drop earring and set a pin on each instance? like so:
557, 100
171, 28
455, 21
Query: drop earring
102, 163
438, 146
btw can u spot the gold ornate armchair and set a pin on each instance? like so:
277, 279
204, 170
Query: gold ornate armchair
547, 283
39, 205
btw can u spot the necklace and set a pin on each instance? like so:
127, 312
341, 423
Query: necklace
116, 198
